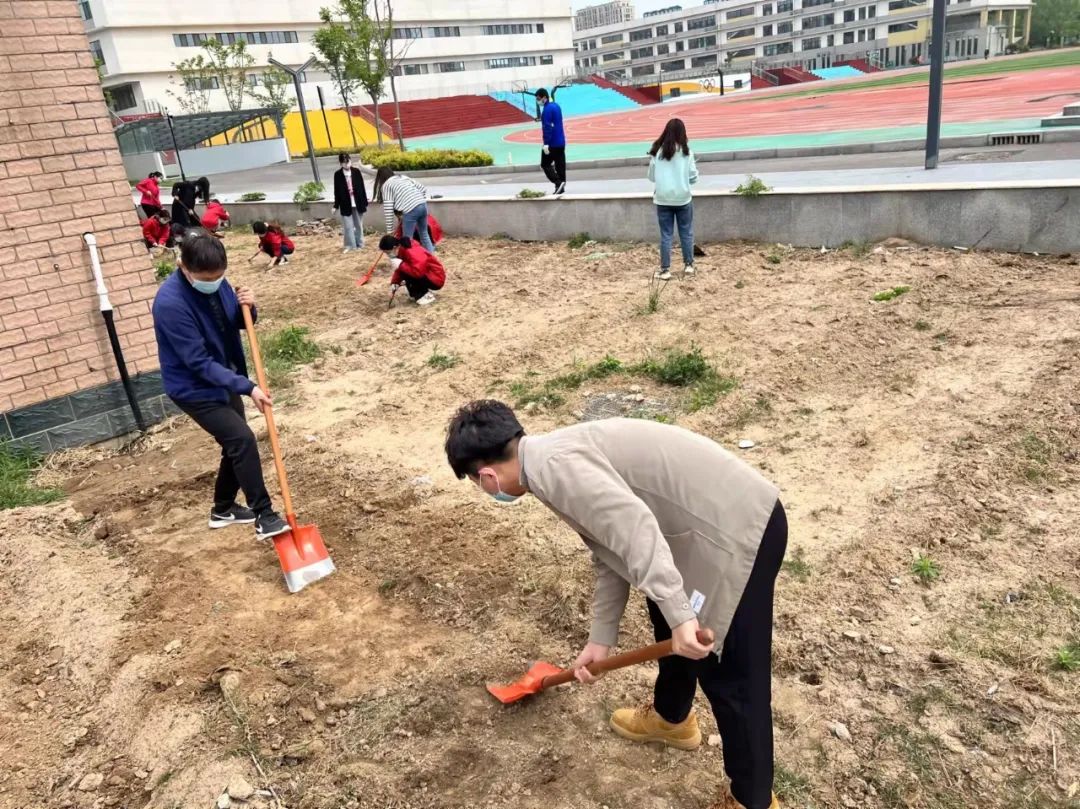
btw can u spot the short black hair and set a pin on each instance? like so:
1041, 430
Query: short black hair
258, 228
157, 174
343, 158
202, 252
542, 93
389, 242
481, 432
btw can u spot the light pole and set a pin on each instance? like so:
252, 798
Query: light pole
176, 149
303, 108
937, 74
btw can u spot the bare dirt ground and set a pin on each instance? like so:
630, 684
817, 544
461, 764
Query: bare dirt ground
146, 661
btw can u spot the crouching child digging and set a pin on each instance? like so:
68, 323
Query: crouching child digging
197, 321
420, 271
700, 532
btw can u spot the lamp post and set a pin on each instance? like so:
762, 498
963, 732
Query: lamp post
303, 108
937, 73
176, 149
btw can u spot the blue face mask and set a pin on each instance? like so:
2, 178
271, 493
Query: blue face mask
207, 287
501, 496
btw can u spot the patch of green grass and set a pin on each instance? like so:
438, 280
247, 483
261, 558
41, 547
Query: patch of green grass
283, 350
502, 237
163, 268
922, 325
652, 302
796, 565
857, 249
252, 196
441, 361
925, 569
774, 258
791, 787
740, 284
751, 187
678, 368
890, 294
387, 586
708, 392
578, 240
760, 408
1037, 454
17, 466
932, 694
651, 415
531, 193
1066, 658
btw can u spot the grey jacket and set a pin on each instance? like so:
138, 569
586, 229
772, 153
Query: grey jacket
661, 508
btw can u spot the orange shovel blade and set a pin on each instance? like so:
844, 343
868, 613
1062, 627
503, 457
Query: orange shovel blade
531, 683
303, 556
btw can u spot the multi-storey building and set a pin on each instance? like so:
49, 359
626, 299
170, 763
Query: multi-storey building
722, 34
445, 47
611, 13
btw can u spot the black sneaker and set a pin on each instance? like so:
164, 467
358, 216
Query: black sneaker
269, 525
233, 515
560, 189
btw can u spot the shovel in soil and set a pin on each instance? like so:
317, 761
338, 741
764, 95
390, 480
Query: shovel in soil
300, 550
544, 675
363, 279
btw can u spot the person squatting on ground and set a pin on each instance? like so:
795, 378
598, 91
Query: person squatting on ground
157, 231
672, 169
350, 201
553, 158
701, 533
197, 321
420, 271
406, 197
273, 242
150, 188
215, 217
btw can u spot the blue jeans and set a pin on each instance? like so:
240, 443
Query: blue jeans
668, 215
415, 221
352, 229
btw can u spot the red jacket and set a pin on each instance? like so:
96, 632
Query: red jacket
273, 240
213, 216
155, 231
151, 191
416, 262
434, 230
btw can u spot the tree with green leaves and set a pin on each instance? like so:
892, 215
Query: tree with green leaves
231, 64
337, 53
196, 82
1055, 22
273, 92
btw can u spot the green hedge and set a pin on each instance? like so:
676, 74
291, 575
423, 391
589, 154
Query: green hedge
423, 159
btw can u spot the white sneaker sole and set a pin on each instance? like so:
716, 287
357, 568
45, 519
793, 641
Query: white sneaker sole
222, 523
260, 536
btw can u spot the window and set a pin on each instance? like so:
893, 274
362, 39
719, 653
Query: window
849, 37
678, 64
638, 36
871, 34
778, 48
819, 21
592, 45
539, 28
610, 38
740, 12
204, 83
811, 44
445, 31
229, 38
766, 30
615, 75
679, 46
872, 11
708, 60
862, 35
783, 6
641, 53
613, 57
849, 15
661, 30
663, 50
84, 11
898, 5
742, 53
411, 70
697, 43
413, 32
98, 54
899, 27
766, 10
741, 33
811, 3
510, 28
548, 59
511, 61
830, 41
701, 22
123, 97
678, 28
449, 67
643, 70
784, 28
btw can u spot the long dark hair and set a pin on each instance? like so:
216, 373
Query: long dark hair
202, 189
381, 176
672, 139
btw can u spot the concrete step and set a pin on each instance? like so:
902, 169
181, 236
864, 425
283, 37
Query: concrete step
1062, 120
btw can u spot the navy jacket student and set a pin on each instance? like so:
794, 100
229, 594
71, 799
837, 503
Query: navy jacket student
553, 158
197, 322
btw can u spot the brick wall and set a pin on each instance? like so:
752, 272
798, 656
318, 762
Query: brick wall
61, 175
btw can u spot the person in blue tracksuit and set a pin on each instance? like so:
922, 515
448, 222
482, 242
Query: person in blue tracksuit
197, 321
553, 160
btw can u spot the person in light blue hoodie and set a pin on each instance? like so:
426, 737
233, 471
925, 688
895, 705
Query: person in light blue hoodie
673, 171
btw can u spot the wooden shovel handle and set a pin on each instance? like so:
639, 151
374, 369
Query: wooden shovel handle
705, 637
268, 414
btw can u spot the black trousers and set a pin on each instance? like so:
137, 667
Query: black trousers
240, 465
419, 287
554, 164
151, 210
738, 683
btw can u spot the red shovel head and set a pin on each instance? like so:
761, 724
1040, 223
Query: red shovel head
367, 276
531, 683
303, 556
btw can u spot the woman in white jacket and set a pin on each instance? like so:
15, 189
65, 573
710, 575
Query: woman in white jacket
673, 171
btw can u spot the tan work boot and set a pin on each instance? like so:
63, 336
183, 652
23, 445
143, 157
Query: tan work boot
729, 802
646, 725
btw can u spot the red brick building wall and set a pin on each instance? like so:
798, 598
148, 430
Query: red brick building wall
61, 175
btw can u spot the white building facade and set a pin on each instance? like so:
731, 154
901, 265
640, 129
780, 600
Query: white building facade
445, 47
611, 13
735, 34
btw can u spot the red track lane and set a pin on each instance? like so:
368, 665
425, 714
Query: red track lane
980, 98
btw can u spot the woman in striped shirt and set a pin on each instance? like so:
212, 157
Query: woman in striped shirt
401, 194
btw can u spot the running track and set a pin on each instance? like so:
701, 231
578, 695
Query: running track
1028, 94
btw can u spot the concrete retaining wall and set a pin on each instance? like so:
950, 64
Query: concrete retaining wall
1036, 219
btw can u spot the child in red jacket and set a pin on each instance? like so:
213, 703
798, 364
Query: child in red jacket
435, 231
214, 216
273, 242
157, 232
420, 271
